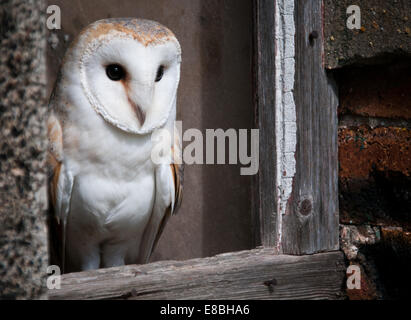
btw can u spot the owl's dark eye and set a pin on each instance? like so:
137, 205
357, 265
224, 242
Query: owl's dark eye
160, 73
115, 72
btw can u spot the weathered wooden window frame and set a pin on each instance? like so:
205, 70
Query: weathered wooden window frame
297, 253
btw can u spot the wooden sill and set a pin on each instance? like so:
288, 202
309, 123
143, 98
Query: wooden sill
253, 274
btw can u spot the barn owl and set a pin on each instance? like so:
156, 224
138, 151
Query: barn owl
110, 200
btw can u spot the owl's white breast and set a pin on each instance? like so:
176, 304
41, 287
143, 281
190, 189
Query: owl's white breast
113, 174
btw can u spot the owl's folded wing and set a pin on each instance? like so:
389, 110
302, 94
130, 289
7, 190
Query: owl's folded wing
169, 192
60, 189
177, 169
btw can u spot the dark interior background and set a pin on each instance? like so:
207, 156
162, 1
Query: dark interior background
215, 92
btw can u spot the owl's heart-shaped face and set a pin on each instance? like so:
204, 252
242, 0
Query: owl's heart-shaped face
130, 74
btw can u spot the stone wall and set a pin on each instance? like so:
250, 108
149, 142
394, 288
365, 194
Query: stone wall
23, 199
374, 175
373, 70
385, 31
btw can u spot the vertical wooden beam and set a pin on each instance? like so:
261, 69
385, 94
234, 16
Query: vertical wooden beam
311, 221
265, 217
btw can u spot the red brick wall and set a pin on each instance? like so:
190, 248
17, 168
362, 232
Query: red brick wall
375, 175
374, 145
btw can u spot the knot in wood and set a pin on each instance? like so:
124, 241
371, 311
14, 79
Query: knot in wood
306, 207
270, 284
313, 35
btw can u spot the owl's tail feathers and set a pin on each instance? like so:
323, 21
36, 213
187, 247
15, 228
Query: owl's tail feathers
55, 238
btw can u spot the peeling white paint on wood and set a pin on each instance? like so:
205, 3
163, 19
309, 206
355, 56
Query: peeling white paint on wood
286, 126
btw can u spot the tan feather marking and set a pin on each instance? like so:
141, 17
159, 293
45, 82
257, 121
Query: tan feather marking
161, 227
173, 172
146, 33
54, 131
54, 155
178, 183
51, 160
54, 182
177, 173
55, 137
177, 169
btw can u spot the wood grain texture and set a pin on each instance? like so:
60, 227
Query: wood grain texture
311, 222
254, 274
264, 197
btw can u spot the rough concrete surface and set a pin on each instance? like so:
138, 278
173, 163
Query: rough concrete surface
23, 241
385, 32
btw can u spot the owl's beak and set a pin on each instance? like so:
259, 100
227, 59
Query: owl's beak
141, 115
140, 97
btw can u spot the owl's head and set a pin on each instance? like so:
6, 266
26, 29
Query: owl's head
129, 71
